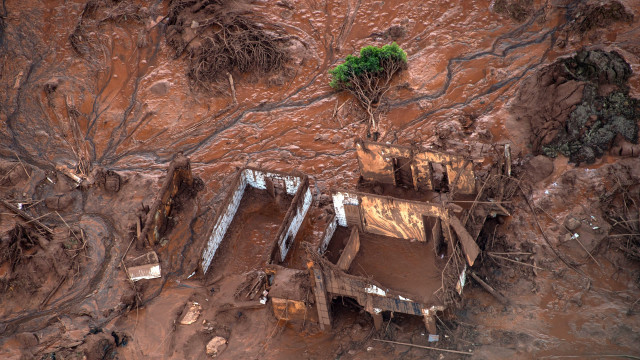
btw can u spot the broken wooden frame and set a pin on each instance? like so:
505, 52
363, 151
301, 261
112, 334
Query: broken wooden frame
410, 167
329, 280
294, 184
387, 216
178, 175
399, 218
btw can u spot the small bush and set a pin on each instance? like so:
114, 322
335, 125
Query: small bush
372, 60
368, 76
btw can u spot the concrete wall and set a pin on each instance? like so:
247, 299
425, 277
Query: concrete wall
256, 178
376, 164
293, 219
384, 215
223, 220
339, 200
328, 234
376, 160
294, 185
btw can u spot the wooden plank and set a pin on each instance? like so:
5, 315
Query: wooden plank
350, 251
469, 246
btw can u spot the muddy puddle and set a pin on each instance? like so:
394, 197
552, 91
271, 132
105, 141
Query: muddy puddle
102, 89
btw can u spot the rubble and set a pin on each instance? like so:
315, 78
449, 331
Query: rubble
216, 346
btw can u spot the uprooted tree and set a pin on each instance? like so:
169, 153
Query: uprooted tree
368, 76
224, 36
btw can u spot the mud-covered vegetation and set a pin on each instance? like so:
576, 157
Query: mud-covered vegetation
587, 17
605, 112
368, 76
518, 10
221, 37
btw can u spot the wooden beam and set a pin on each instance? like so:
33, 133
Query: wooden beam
469, 246
350, 251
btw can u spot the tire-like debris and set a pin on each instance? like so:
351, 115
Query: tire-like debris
221, 37
578, 106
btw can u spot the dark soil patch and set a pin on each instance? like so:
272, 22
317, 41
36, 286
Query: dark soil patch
578, 106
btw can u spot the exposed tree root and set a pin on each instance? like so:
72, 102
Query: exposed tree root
221, 37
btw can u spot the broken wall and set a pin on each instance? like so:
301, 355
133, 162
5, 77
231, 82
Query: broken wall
223, 220
292, 220
373, 297
387, 216
328, 234
376, 162
178, 175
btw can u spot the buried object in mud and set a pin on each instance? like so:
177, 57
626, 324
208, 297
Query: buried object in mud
143, 267
192, 314
216, 346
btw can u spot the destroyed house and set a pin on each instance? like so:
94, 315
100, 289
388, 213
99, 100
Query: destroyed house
399, 254
388, 254
407, 166
257, 221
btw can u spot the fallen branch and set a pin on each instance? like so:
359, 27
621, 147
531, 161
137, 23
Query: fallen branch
26, 216
425, 347
52, 292
21, 164
503, 300
514, 261
233, 88
544, 235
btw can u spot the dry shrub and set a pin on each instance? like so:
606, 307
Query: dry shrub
222, 37
621, 204
19, 239
95, 13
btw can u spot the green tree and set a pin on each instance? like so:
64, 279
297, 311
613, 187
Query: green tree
368, 76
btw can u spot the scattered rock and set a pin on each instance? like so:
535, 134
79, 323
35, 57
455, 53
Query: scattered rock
160, 88
577, 106
112, 181
192, 314
572, 223
216, 346
58, 202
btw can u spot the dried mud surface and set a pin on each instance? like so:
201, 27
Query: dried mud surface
96, 87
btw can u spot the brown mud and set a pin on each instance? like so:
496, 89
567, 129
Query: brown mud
97, 86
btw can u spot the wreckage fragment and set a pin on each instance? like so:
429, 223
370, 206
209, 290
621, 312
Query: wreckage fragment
178, 176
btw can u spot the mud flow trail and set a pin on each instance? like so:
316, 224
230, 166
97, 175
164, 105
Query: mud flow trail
97, 97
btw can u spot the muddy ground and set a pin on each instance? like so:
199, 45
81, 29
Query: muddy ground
102, 86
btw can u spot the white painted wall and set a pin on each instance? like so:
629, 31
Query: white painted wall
339, 200
328, 234
292, 231
256, 179
222, 224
